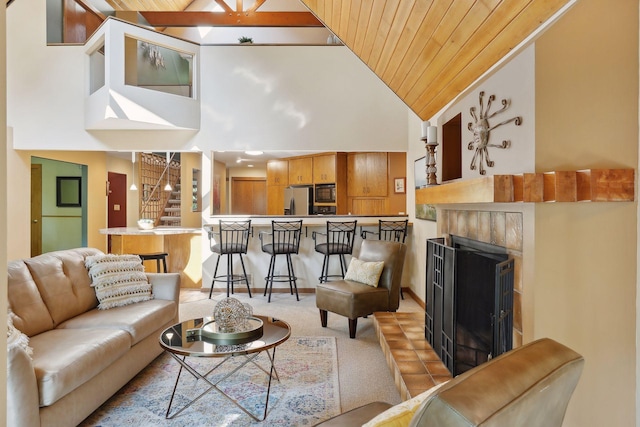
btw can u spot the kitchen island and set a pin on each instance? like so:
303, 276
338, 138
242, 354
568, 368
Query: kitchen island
183, 246
307, 263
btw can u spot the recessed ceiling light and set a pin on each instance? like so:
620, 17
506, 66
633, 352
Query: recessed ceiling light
253, 153
249, 166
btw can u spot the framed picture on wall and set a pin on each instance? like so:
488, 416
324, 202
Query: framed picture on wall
399, 185
420, 172
68, 191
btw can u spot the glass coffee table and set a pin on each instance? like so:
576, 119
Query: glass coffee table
179, 342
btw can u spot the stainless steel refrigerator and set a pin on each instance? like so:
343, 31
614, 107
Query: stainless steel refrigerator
298, 200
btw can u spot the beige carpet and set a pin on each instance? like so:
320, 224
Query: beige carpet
363, 372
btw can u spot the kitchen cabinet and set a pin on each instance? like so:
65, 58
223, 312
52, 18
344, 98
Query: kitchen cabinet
324, 169
301, 171
275, 199
278, 172
367, 174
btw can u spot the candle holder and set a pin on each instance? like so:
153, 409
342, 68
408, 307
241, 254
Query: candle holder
431, 142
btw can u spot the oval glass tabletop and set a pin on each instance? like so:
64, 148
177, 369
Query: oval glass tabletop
179, 339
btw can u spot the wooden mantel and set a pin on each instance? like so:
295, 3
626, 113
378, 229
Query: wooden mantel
589, 185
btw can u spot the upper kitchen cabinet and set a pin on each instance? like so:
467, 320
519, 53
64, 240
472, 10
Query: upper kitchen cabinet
277, 172
301, 171
367, 174
324, 169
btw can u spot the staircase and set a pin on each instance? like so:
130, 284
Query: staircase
171, 214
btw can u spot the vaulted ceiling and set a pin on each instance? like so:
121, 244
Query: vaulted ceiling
428, 51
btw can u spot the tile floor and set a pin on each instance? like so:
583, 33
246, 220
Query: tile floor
413, 363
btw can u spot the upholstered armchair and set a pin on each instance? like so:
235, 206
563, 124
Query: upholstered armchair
351, 297
528, 386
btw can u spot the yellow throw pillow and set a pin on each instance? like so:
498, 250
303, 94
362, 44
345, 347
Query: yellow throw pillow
401, 414
365, 272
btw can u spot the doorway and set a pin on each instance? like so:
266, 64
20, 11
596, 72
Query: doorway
248, 196
57, 224
116, 202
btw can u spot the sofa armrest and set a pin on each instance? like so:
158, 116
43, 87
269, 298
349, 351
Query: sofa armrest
22, 389
165, 286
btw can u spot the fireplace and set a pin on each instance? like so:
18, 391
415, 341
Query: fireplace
469, 301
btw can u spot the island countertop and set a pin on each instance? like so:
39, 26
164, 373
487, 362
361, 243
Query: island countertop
158, 231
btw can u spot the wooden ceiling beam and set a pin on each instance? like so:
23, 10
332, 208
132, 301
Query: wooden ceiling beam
233, 19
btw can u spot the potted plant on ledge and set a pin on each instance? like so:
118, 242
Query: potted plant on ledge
245, 40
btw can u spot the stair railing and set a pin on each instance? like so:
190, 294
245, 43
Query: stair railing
154, 170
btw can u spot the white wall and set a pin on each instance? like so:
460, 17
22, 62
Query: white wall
252, 97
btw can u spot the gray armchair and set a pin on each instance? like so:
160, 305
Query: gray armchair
353, 299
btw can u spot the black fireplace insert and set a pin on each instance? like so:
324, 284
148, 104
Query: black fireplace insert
469, 301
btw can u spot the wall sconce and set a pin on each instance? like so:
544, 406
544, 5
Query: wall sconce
430, 137
133, 172
168, 186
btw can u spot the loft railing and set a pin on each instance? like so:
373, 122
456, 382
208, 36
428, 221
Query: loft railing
155, 172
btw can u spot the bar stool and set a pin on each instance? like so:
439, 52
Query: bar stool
158, 256
284, 240
339, 239
391, 231
232, 238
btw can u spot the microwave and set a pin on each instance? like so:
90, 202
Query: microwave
325, 193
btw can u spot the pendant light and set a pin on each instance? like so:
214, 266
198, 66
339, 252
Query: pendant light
168, 186
133, 172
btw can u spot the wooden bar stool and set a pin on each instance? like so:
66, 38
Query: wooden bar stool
158, 256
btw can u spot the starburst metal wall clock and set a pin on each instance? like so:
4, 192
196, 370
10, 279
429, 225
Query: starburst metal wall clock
482, 131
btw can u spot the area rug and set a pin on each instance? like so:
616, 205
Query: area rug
308, 391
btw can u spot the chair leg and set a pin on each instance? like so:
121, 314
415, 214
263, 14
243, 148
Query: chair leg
269, 275
272, 267
353, 323
246, 278
215, 273
323, 318
325, 269
401, 293
292, 277
229, 274
343, 264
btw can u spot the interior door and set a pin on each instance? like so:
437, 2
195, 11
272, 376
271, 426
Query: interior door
116, 202
248, 196
36, 209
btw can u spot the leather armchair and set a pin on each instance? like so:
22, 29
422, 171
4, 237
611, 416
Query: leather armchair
528, 386
353, 299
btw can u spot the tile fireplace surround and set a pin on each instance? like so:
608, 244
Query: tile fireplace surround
497, 228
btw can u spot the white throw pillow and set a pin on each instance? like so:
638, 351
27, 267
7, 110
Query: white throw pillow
365, 272
118, 280
401, 414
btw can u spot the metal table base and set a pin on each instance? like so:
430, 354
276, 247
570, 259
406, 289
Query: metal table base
250, 358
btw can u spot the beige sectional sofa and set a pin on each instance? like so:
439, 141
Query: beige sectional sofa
80, 355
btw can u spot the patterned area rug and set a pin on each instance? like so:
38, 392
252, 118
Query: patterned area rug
308, 391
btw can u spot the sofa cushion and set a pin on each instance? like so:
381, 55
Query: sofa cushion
63, 282
64, 359
364, 272
119, 280
29, 313
138, 320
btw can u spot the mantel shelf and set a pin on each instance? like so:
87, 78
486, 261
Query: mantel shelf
589, 185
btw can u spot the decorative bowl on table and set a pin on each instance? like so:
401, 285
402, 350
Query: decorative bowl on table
145, 224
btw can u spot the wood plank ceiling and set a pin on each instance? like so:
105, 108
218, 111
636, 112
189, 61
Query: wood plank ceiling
428, 51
